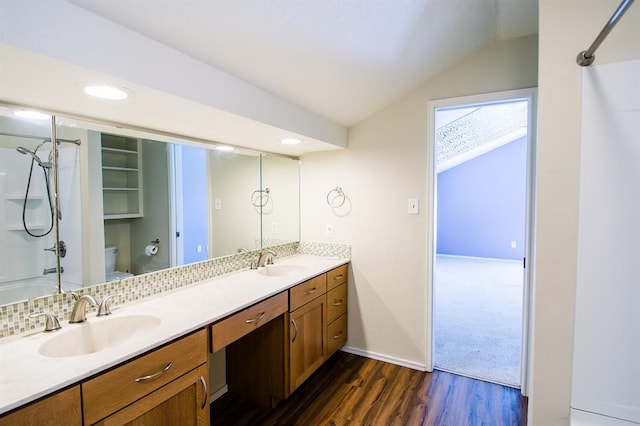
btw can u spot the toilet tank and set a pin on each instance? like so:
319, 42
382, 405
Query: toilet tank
110, 259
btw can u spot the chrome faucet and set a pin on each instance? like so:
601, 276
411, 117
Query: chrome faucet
266, 258
79, 313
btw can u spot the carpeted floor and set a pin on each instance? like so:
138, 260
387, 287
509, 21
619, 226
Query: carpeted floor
478, 318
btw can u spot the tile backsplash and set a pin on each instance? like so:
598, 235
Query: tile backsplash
14, 318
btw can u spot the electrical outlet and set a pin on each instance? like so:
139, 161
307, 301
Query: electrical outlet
329, 230
217, 204
513, 244
199, 248
274, 227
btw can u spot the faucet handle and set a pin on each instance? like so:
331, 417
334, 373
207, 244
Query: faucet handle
103, 308
51, 323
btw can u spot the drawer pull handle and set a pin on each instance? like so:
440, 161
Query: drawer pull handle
337, 302
313, 290
295, 330
154, 375
205, 392
337, 336
338, 277
256, 319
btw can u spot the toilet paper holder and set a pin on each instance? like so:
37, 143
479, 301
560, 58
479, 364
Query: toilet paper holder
152, 249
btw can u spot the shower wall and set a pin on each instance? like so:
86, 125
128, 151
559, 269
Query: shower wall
23, 257
606, 373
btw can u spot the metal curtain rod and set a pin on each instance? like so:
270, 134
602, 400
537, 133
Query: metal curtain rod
586, 57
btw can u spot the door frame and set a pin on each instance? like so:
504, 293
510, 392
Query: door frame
176, 257
530, 95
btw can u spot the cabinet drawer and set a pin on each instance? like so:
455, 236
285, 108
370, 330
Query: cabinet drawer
244, 322
337, 276
307, 291
336, 334
62, 408
336, 302
110, 391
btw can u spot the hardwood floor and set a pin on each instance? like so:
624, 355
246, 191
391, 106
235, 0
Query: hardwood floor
353, 390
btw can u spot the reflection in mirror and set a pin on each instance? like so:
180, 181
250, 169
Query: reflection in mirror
130, 202
234, 222
148, 201
280, 207
26, 213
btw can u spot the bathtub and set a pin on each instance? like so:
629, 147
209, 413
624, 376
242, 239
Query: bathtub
30, 288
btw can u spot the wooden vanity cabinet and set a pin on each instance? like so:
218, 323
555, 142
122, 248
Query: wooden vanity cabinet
318, 323
254, 340
62, 408
165, 386
266, 362
336, 309
307, 332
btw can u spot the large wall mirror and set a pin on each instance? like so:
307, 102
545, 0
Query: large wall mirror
129, 202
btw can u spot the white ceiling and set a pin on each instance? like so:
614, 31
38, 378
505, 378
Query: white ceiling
342, 59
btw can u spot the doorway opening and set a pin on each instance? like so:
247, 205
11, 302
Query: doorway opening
482, 158
190, 206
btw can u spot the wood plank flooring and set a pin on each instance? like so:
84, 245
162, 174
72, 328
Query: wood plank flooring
353, 390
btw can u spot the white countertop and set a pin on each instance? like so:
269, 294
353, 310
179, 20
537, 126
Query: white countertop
26, 375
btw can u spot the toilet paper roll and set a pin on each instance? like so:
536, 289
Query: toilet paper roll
150, 250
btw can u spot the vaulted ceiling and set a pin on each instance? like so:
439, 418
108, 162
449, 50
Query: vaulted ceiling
342, 59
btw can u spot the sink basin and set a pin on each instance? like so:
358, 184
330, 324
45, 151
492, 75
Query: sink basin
282, 270
97, 334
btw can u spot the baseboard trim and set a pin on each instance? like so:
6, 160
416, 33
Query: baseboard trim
385, 358
217, 394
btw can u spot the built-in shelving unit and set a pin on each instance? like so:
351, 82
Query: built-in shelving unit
13, 211
121, 177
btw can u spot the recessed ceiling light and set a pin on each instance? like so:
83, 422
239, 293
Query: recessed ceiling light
225, 148
33, 115
103, 91
291, 141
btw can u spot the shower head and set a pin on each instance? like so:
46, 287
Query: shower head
23, 150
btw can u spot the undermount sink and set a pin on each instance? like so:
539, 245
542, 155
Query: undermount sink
282, 270
97, 334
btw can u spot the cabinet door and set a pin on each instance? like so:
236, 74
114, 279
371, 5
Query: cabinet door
62, 408
185, 401
308, 340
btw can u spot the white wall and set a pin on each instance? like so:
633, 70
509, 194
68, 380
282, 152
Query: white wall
566, 27
386, 164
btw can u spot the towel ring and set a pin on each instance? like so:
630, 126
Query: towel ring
338, 194
258, 199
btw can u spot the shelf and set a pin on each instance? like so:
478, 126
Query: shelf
120, 151
119, 169
31, 226
20, 197
121, 177
121, 216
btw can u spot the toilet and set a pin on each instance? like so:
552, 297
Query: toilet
110, 265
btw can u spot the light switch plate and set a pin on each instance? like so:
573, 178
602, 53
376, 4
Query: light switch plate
414, 206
